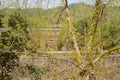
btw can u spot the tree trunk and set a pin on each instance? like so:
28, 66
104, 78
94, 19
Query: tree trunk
71, 27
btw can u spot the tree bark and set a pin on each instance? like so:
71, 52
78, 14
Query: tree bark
71, 27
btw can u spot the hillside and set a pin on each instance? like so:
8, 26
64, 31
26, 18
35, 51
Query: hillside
50, 16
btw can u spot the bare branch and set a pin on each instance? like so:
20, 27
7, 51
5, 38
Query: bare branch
105, 53
71, 27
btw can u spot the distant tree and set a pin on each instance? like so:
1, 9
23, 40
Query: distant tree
81, 29
64, 39
110, 34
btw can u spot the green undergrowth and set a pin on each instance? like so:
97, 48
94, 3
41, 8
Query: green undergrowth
30, 71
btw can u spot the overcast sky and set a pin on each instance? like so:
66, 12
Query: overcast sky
45, 3
54, 3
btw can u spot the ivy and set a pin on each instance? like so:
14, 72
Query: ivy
15, 38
